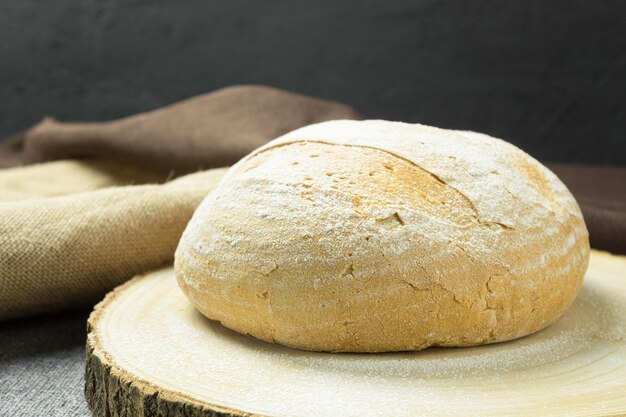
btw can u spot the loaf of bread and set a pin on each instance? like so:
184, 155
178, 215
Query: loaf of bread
372, 236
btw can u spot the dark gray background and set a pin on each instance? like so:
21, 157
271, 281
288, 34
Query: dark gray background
547, 75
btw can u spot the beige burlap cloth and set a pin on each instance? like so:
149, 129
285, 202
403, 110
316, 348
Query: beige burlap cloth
70, 230
67, 250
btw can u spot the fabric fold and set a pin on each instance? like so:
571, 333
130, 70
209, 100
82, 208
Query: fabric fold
69, 250
65, 177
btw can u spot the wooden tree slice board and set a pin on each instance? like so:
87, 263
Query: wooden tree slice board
149, 353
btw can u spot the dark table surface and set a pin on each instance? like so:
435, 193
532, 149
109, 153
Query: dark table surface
42, 365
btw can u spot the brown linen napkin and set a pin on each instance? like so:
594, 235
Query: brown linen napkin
214, 129
601, 194
67, 249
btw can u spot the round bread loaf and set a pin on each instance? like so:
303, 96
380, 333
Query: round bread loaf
371, 236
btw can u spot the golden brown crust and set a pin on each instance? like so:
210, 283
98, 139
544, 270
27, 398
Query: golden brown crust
382, 236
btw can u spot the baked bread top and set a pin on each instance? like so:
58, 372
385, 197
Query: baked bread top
384, 236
